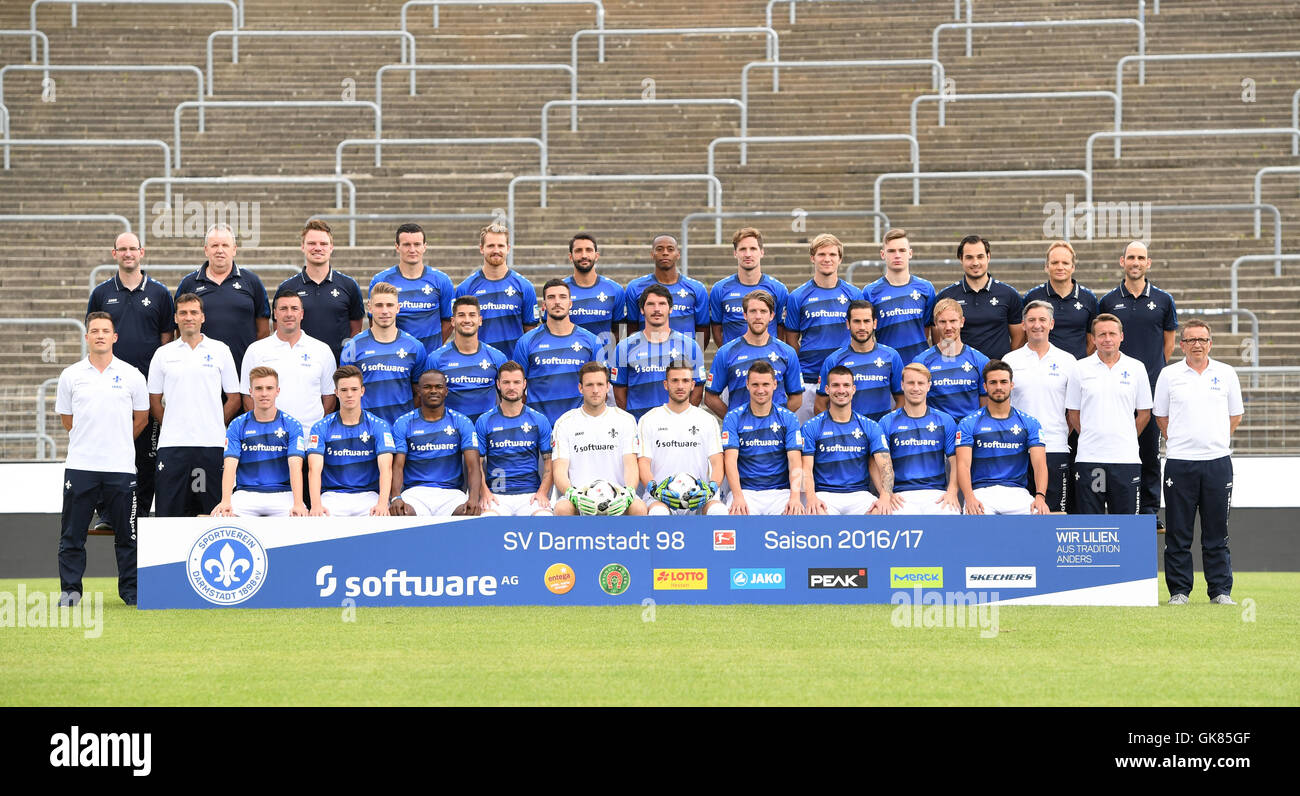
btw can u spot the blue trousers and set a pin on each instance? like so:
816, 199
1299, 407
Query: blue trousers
1101, 488
82, 491
1192, 487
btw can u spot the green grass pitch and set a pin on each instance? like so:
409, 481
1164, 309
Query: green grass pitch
688, 655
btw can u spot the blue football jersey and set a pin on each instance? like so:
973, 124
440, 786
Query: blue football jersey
513, 449
956, 383
640, 366
877, 375
730, 370
551, 363
690, 303
423, 303
842, 451
599, 307
433, 449
263, 450
999, 448
762, 445
818, 314
507, 306
920, 447
726, 300
389, 371
902, 313
471, 378
351, 452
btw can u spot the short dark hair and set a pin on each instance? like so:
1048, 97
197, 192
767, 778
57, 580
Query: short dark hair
189, 298
857, 304
550, 283
761, 367
509, 366
654, 290
840, 370
432, 372
409, 229
463, 300
997, 364
100, 316
678, 364
286, 292
349, 372
973, 239
592, 367
582, 236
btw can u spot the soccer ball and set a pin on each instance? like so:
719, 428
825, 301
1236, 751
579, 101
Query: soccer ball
601, 492
684, 483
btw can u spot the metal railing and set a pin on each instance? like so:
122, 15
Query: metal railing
944, 99
73, 322
1253, 258
41, 433
105, 68
33, 34
205, 104
615, 103
960, 175
254, 180
1122, 208
101, 272
413, 68
4, 120
773, 42
1143, 59
27, 218
236, 12
715, 195
956, 6
93, 142
379, 142
1259, 189
1049, 23
915, 262
1295, 111
600, 10
686, 222
936, 76
1272, 400
406, 38
743, 140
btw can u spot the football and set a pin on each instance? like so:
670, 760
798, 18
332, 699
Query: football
601, 492
682, 483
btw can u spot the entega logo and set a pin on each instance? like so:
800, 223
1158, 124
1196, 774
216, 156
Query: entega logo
681, 579
615, 579
226, 566
915, 577
837, 578
559, 578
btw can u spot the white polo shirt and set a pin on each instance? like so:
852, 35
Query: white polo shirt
595, 446
305, 371
191, 381
679, 442
1106, 398
102, 407
1198, 406
1038, 390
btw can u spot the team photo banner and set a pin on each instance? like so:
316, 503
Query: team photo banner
415, 561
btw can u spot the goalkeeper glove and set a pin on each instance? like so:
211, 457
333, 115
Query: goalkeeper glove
700, 495
580, 501
620, 503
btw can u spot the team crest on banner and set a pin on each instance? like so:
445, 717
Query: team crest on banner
227, 565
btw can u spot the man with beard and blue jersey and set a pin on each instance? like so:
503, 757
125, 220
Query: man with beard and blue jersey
641, 360
727, 296
553, 353
506, 299
514, 443
599, 303
995, 448
264, 452
877, 368
956, 386
816, 315
903, 302
350, 455
923, 448
425, 293
390, 360
844, 451
762, 450
469, 363
690, 309
732, 362
437, 471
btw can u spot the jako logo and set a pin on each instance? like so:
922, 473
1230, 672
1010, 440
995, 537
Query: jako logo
395, 583
838, 578
94, 750
1002, 577
911, 577
681, 578
750, 578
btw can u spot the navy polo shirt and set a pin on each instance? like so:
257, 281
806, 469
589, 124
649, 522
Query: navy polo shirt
988, 313
328, 306
140, 316
229, 308
1073, 314
1146, 318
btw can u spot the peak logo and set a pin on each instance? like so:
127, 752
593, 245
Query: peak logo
1002, 577
838, 578
724, 540
677, 579
913, 577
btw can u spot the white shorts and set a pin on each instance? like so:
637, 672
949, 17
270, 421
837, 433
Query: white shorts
806, 412
1000, 499
349, 504
261, 504
847, 502
432, 501
923, 501
765, 501
517, 506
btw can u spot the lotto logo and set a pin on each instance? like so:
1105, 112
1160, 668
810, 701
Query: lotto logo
677, 579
